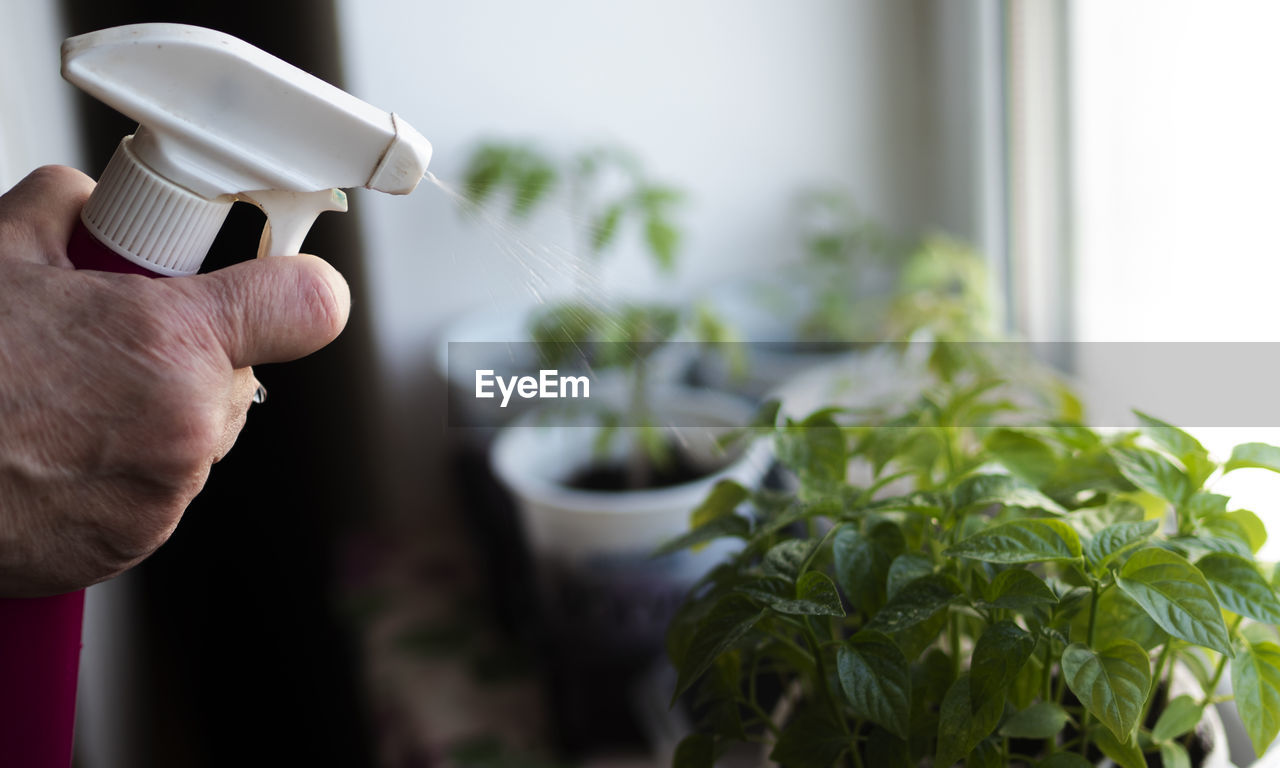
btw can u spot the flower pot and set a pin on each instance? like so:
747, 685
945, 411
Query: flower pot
606, 601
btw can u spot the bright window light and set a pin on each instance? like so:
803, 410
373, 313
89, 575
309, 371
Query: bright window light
1175, 155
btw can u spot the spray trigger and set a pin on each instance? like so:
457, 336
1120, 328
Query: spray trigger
290, 216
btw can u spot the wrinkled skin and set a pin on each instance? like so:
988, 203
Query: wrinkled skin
118, 392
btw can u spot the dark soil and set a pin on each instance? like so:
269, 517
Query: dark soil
614, 476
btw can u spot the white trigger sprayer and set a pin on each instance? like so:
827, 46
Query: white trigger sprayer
219, 121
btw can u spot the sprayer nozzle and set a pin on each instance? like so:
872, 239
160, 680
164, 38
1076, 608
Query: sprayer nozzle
404, 163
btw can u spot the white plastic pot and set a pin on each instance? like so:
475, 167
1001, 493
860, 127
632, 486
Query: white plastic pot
537, 454
593, 550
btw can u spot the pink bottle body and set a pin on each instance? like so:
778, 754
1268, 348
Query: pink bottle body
40, 637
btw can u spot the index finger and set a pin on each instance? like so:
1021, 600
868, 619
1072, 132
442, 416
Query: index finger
38, 214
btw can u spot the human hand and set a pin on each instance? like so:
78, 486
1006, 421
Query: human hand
118, 392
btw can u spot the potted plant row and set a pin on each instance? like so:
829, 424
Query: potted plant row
855, 284
597, 483
1001, 586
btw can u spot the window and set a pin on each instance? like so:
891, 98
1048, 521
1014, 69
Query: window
1144, 154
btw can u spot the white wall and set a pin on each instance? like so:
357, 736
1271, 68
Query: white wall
739, 103
37, 126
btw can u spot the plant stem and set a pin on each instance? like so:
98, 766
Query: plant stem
637, 455
1213, 684
1222, 666
857, 756
1093, 621
1155, 680
1046, 685
820, 668
764, 718
953, 637
787, 641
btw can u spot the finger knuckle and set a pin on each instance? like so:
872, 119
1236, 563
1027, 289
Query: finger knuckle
55, 175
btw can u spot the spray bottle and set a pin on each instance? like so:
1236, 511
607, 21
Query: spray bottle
219, 121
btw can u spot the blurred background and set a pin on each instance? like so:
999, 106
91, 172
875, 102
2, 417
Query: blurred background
353, 586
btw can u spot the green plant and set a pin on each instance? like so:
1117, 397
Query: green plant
862, 284
608, 194
998, 586
850, 263
607, 190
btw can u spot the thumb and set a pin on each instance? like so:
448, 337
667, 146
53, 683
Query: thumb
272, 310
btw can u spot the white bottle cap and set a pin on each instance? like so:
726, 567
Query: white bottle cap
148, 219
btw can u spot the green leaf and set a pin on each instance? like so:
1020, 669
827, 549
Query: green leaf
1064, 760
905, 569
1240, 587
1112, 684
916, 602
817, 593
720, 693
1119, 618
1125, 752
815, 450
862, 563
1169, 437
1090, 521
1115, 539
984, 490
1174, 755
1176, 596
722, 501
1153, 473
884, 750
785, 559
1041, 720
730, 526
987, 754
697, 750
1020, 541
1214, 534
1027, 686
876, 681
531, 186
1254, 455
809, 740
1254, 529
1204, 504
920, 605
724, 625
663, 239
1018, 589
1186, 448
1255, 679
960, 727
1180, 716
997, 656
1026, 456
605, 227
